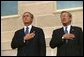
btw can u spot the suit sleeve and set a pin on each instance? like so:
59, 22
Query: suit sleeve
17, 41
81, 41
42, 43
56, 40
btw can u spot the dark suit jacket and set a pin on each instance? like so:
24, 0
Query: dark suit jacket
33, 47
73, 47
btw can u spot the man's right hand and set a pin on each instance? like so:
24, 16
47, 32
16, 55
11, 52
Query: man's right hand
29, 36
69, 36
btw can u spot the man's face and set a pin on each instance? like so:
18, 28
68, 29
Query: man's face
27, 18
65, 18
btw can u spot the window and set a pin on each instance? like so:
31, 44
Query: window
69, 4
9, 8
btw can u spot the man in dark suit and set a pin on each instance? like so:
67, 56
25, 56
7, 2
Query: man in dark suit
30, 40
68, 39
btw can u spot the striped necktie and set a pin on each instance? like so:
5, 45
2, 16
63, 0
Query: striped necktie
66, 31
27, 30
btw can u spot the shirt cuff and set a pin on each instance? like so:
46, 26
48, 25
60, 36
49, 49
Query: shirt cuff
62, 37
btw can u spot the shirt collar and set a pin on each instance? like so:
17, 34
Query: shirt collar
68, 28
30, 26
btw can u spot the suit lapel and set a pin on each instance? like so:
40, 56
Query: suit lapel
22, 31
32, 29
62, 31
72, 29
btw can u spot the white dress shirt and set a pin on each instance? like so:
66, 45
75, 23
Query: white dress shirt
30, 26
68, 28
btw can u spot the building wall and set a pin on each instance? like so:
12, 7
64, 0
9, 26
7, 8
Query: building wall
46, 16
